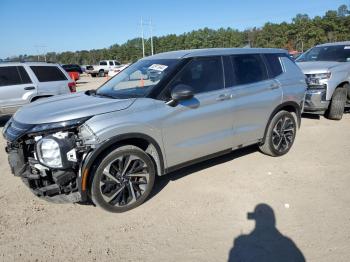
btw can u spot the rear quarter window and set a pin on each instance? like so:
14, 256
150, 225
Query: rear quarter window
273, 64
48, 73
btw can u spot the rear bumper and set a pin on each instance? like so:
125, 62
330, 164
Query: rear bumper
315, 101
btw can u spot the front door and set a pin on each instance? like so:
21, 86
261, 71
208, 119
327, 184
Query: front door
203, 125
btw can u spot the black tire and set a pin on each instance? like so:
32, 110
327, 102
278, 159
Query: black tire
101, 73
336, 108
280, 134
123, 189
93, 75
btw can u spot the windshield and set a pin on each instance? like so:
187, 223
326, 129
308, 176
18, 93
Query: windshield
336, 53
138, 79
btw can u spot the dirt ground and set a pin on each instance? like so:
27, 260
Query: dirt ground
200, 213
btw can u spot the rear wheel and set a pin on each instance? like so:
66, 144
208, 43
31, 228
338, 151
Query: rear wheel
123, 179
101, 73
280, 134
337, 105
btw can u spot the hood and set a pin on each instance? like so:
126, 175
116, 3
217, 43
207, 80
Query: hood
317, 66
67, 107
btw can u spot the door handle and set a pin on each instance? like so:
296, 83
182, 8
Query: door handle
274, 86
223, 97
29, 88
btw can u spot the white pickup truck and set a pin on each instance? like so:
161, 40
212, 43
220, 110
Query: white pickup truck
102, 68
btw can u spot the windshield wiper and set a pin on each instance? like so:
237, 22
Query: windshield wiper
105, 95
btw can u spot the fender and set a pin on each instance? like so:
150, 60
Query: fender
295, 105
93, 155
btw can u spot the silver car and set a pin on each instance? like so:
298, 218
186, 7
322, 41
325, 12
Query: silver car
108, 145
23, 83
327, 69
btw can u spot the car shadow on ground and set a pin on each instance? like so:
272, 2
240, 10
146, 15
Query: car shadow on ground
3, 120
162, 181
265, 242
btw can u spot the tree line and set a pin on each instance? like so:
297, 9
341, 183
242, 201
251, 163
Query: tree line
300, 34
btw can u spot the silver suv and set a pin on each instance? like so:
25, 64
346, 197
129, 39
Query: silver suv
158, 115
23, 83
327, 69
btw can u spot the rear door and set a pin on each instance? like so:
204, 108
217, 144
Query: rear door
16, 88
255, 95
52, 80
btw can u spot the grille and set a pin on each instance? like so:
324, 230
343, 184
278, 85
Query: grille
15, 130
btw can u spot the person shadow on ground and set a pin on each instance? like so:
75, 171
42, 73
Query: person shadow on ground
265, 242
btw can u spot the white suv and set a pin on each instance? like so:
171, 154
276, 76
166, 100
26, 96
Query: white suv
23, 83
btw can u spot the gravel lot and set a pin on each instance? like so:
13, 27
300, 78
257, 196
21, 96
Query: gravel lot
199, 213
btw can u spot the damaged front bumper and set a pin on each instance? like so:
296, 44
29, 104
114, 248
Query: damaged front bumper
57, 186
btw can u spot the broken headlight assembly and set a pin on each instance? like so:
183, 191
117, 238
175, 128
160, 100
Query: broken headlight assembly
56, 151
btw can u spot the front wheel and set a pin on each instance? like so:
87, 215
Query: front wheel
123, 179
280, 134
337, 105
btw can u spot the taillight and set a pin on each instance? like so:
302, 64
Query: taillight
72, 87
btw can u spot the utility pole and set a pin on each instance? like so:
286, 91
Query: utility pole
151, 28
143, 41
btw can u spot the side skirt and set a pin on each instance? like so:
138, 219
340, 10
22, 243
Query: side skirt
204, 158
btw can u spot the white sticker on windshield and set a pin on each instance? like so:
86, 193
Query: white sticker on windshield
347, 47
158, 67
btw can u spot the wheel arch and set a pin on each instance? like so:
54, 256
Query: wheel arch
39, 97
143, 141
292, 107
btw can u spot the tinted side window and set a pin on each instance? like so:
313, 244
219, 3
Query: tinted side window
24, 75
273, 64
203, 75
116, 63
48, 73
103, 63
111, 63
9, 75
249, 69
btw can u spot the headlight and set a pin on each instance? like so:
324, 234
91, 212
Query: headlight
318, 79
59, 125
49, 153
56, 151
322, 75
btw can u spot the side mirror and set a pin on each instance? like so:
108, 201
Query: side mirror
179, 93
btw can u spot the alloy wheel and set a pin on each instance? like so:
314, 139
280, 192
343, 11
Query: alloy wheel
124, 180
283, 134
